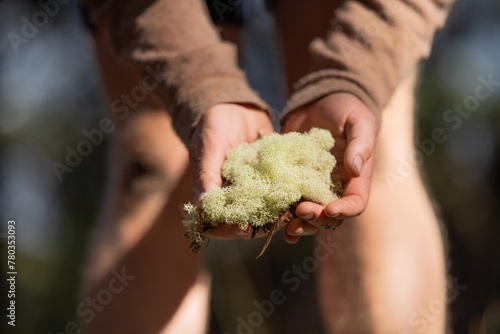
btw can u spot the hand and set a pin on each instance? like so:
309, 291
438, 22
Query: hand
221, 128
354, 128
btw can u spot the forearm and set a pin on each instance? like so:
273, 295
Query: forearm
371, 47
194, 69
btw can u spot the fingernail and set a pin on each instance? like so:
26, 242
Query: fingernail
307, 216
299, 231
358, 163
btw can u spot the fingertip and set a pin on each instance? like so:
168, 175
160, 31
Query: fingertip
355, 159
291, 239
308, 210
358, 163
342, 208
346, 207
361, 138
332, 210
296, 227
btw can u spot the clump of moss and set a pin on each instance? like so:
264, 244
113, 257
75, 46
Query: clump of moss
263, 180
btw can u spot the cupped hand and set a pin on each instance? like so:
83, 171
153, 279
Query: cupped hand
223, 127
354, 128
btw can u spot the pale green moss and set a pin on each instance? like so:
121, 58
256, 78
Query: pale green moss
264, 179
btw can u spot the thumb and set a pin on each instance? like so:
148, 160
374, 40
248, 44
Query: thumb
207, 157
361, 133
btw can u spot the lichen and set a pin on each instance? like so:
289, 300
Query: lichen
264, 179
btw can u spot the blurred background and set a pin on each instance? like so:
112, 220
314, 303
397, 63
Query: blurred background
50, 92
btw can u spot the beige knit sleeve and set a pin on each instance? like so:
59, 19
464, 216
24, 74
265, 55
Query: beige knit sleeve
372, 45
177, 39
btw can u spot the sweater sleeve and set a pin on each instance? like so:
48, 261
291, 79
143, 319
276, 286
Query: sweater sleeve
371, 47
176, 40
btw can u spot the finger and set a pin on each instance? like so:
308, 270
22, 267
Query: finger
355, 196
230, 232
361, 129
315, 218
291, 239
299, 227
207, 157
309, 211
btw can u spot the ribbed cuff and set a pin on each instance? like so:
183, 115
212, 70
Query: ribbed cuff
321, 83
196, 102
198, 79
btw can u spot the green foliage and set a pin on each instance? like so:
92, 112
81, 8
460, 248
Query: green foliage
262, 180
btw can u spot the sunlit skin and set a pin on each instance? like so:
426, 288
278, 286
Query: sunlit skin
382, 235
353, 126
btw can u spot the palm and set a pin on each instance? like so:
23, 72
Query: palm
354, 128
222, 128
